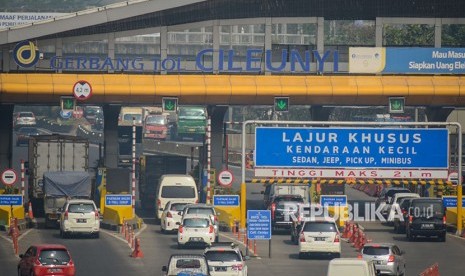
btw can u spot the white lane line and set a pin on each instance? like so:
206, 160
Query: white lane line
7, 239
455, 236
25, 233
116, 234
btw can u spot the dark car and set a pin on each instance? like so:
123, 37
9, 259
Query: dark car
427, 217
46, 259
306, 212
399, 224
283, 209
23, 134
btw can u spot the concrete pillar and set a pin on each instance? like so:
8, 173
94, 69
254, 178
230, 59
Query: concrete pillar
216, 45
163, 46
320, 35
59, 50
438, 114
217, 119
379, 32
111, 48
110, 134
6, 126
268, 43
320, 113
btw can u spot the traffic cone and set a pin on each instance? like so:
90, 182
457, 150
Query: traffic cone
137, 253
29, 211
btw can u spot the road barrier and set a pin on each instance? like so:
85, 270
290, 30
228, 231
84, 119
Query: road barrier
137, 253
29, 211
431, 271
14, 233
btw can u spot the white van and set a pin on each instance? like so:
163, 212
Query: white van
175, 187
351, 267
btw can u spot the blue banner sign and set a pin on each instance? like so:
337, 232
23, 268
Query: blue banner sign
407, 60
351, 148
118, 200
16, 200
451, 201
259, 224
333, 200
226, 200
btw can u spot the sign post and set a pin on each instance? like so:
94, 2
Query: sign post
225, 178
259, 226
9, 177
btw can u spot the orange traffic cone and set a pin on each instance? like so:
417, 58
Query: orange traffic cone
137, 253
29, 211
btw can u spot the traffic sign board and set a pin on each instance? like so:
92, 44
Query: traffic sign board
333, 200
9, 177
281, 104
66, 114
118, 200
78, 113
169, 104
67, 103
225, 178
259, 224
82, 90
226, 200
8, 200
396, 104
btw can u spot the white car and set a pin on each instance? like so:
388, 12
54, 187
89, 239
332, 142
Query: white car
319, 236
394, 204
79, 216
196, 230
25, 118
204, 209
172, 216
225, 259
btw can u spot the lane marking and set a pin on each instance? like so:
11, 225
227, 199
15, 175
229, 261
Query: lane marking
241, 243
25, 233
116, 234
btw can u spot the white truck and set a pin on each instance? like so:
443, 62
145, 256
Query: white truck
53, 153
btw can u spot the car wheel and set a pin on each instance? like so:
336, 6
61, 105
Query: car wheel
32, 273
337, 255
180, 246
217, 239
19, 272
301, 255
96, 235
163, 231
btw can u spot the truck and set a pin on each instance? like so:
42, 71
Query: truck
59, 186
190, 123
277, 189
53, 153
155, 123
151, 168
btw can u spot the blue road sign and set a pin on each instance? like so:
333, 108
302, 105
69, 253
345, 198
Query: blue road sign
451, 201
332, 200
16, 200
66, 114
226, 200
381, 148
118, 200
259, 224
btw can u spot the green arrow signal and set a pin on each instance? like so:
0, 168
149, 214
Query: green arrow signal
68, 103
282, 105
169, 105
396, 105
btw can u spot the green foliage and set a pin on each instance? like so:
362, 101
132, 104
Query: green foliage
409, 35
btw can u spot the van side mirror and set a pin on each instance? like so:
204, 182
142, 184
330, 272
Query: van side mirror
164, 268
180, 213
378, 272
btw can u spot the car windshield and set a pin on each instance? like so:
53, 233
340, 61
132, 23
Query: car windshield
128, 117
156, 120
191, 112
54, 257
222, 256
315, 226
81, 208
25, 114
196, 222
177, 192
178, 206
427, 209
200, 211
375, 251
188, 263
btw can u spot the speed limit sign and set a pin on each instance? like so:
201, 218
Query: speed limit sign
9, 177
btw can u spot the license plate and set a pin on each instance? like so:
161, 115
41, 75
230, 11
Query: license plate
81, 220
53, 216
54, 270
196, 239
320, 238
221, 268
427, 226
379, 262
192, 129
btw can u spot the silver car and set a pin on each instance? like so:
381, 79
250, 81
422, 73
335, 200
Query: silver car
387, 257
204, 209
